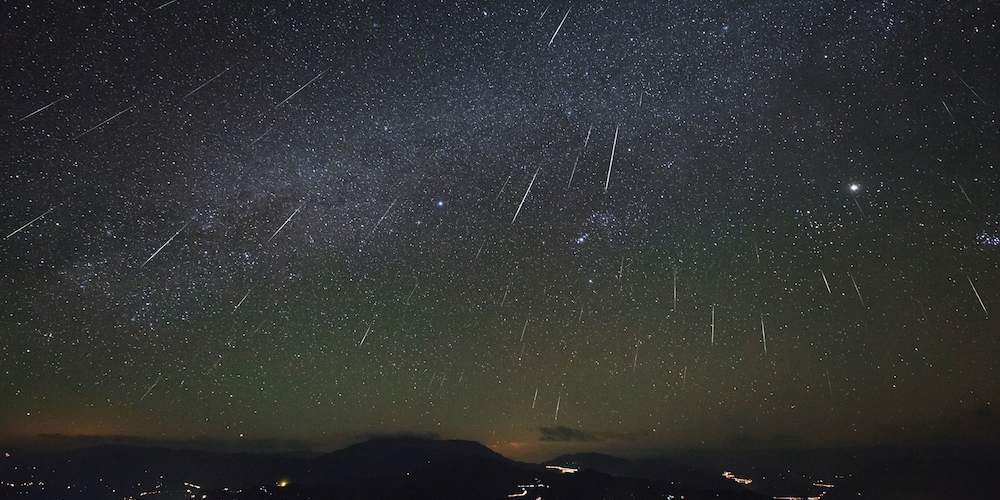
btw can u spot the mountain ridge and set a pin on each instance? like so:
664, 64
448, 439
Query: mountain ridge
379, 468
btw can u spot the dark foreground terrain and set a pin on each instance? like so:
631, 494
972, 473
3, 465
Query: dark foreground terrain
415, 468
398, 468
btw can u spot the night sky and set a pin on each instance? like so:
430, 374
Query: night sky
541, 226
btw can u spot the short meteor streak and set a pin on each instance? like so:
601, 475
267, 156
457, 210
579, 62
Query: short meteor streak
922, 310
675, 290
164, 5
763, 334
571, 174
635, 360
151, 387
415, 285
981, 304
89, 130
856, 289
210, 80
286, 222
858, 205
612, 162
825, 282
558, 400
534, 398
525, 197
981, 101
302, 87
32, 221
948, 110
261, 136
504, 186
713, 324
523, 330
261, 325
545, 11
963, 192
243, 299
585, 142
560, 26
43, 108
165, 244
385, 214
366, 336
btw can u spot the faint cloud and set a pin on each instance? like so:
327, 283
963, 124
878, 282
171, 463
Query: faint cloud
372, 436
570, 435
263, 445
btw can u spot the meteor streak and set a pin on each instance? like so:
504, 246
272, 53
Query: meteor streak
612, 162
526, 191
286, 221
165, 244
560, 26
32, 221
116, 115
302, 87
39, 110
210, 80
151, 387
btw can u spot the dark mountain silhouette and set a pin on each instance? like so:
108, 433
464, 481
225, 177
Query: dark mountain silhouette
387, 456
389, 468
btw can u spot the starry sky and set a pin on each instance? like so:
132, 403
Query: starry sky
543, 226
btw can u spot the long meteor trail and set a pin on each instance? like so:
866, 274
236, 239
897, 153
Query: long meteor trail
210, 80
385, 214
289, 219
39, 110
302, 87
981, 304
151, 387
32, 221
91, 129
366, 336
165, 244
612, 162
560, 26
164, 5
591, 129
856, 289
526, 191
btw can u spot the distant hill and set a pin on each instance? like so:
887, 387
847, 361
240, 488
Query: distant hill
388, 456
391, 468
